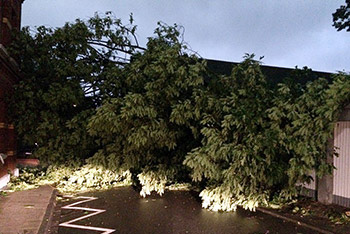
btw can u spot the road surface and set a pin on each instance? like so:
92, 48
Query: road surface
122, 210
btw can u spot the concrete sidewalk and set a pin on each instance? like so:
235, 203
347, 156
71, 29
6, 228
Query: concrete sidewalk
27, 212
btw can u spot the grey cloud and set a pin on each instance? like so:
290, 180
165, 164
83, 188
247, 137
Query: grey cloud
288, 33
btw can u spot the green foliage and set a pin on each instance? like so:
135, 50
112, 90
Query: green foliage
3, 193
28, 178
152, 181
152, 127
259, 143
235, 156
67, 72
337, 217
341, 17
302, 211
71, 178
86, 177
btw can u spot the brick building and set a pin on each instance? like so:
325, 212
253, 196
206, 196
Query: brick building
10, 18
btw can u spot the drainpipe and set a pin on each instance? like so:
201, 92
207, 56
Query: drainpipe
2, 158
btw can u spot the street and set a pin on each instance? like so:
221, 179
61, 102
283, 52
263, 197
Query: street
122, 210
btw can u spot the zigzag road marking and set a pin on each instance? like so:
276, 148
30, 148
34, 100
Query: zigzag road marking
95, 212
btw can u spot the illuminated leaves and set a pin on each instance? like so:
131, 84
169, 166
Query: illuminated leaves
258, 143
152, 127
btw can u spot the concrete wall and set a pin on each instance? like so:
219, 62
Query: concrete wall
309, 190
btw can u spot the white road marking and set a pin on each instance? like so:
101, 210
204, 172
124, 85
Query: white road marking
96, 212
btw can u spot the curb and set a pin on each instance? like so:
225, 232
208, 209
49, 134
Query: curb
47, 220
319, 230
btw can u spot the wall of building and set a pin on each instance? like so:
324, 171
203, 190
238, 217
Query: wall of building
10, 13
335, 188
341, 176
10, 17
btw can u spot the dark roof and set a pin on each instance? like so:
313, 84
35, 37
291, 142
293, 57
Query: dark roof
274, 75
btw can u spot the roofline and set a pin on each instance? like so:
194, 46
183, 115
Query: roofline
269, 66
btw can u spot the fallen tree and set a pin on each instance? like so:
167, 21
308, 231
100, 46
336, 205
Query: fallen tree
91, 94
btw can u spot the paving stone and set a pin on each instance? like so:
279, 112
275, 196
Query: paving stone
23, 212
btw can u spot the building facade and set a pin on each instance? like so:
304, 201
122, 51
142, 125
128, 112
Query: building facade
10, 19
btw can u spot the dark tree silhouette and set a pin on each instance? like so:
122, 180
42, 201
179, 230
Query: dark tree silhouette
341, 17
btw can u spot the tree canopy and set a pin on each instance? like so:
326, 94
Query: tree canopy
67, 73
341, 17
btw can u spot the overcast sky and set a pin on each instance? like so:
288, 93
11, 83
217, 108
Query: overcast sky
288, 33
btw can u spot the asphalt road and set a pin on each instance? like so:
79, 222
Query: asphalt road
174, 212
